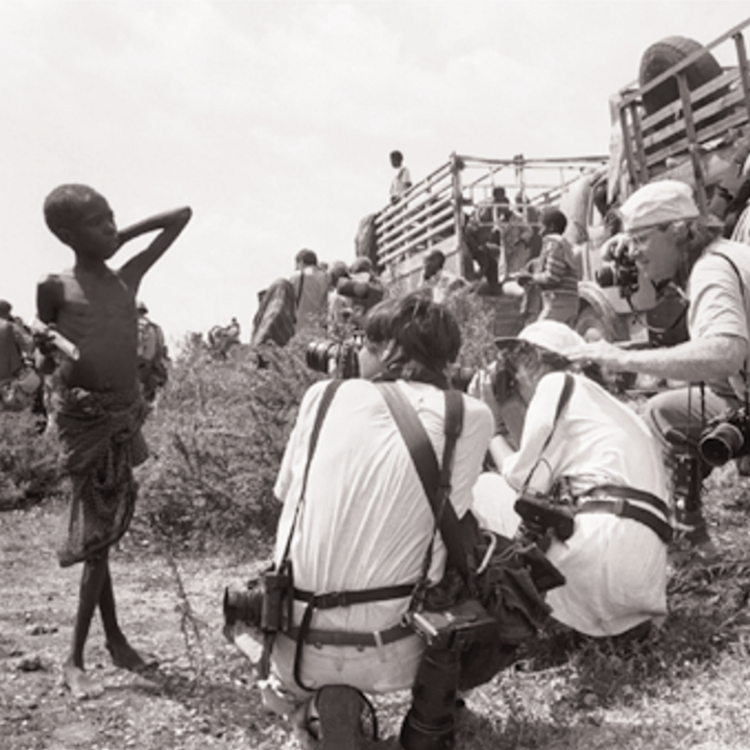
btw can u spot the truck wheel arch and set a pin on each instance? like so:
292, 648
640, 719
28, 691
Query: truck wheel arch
596, 318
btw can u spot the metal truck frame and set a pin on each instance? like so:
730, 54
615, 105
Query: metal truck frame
693, 138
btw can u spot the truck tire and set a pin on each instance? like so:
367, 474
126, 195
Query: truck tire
592, 326
661, 56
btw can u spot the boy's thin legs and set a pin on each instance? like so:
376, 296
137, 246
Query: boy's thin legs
122, 653
96, 589
92, 579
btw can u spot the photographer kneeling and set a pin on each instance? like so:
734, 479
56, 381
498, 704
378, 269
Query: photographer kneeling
674, 245
591, 460
356, 522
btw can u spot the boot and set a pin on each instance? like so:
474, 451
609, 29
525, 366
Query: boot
688, 485
339, 709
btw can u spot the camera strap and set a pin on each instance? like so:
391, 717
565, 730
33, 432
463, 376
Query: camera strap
435, 478
325, 402
565, 394
314, 601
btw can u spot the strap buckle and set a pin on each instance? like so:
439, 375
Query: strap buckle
331, 600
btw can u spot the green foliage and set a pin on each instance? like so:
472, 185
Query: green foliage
30, 463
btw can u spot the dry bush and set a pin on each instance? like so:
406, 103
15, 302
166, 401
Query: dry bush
30, 462
217, 436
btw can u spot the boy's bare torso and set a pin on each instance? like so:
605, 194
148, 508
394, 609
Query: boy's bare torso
97, 311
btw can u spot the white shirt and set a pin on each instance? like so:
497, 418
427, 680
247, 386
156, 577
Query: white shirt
366, 522
615, 567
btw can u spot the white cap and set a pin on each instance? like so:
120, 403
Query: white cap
659, 202
548, 334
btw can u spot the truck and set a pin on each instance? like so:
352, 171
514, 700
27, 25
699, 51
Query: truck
686, 118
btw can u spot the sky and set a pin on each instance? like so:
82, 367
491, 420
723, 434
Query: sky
273, 119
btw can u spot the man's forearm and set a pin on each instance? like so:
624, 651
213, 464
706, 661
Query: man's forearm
709, 359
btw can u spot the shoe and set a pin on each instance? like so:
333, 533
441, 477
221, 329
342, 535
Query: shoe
339, 710
696, 533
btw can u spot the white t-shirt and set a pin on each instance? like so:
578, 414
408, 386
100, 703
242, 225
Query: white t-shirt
366, 522
719, 303
615, 568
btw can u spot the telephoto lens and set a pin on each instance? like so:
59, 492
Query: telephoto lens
431, 721
721, 444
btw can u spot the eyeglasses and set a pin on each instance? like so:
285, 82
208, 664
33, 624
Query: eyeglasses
639, 239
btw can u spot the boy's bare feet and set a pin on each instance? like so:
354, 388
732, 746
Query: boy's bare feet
81, 685
125, 656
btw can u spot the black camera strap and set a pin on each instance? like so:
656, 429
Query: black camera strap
331, 600
435, 479
565, 394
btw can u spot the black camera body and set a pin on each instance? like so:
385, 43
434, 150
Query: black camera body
337, 358
541, 515
266, 603
503, 379
456, 628
621, 272
725, 438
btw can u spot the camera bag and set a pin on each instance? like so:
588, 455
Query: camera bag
496, 572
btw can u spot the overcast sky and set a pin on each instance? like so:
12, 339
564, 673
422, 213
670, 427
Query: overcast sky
274, 119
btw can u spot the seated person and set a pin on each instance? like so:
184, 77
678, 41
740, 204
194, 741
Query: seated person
555, 271
362, 287
602, 461
438, 279
363, 520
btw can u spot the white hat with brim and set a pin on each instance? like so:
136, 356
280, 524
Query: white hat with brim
659, 202
546, 334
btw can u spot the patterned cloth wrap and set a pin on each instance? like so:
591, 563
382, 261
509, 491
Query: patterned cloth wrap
102, 440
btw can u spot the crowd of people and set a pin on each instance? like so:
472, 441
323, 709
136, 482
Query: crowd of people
375, 462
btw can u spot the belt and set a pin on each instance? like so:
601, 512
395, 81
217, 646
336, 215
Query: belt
614, 499
315, 637
348, 598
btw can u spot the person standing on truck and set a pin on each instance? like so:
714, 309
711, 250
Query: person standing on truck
402, 181
555, 271
673, 243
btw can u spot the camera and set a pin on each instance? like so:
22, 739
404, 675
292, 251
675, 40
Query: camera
725, 438
541, 515
455, 628
266, 603
243, 606
430, 723
336, 358
503, 379
621, 272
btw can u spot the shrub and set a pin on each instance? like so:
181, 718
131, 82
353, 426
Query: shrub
218, 435
30, 463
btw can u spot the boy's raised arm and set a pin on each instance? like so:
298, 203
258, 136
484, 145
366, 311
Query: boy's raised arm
171, 224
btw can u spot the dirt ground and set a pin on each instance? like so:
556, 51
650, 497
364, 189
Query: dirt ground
199, 696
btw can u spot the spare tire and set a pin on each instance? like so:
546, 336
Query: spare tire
661, 56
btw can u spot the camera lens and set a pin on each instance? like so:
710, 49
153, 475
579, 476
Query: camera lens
721, 444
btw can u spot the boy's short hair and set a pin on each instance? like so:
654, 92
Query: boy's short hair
396, 157
306, 257
435, 256
62, 207
554, 219
424, 332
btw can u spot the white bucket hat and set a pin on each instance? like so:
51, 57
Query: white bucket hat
547, 334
